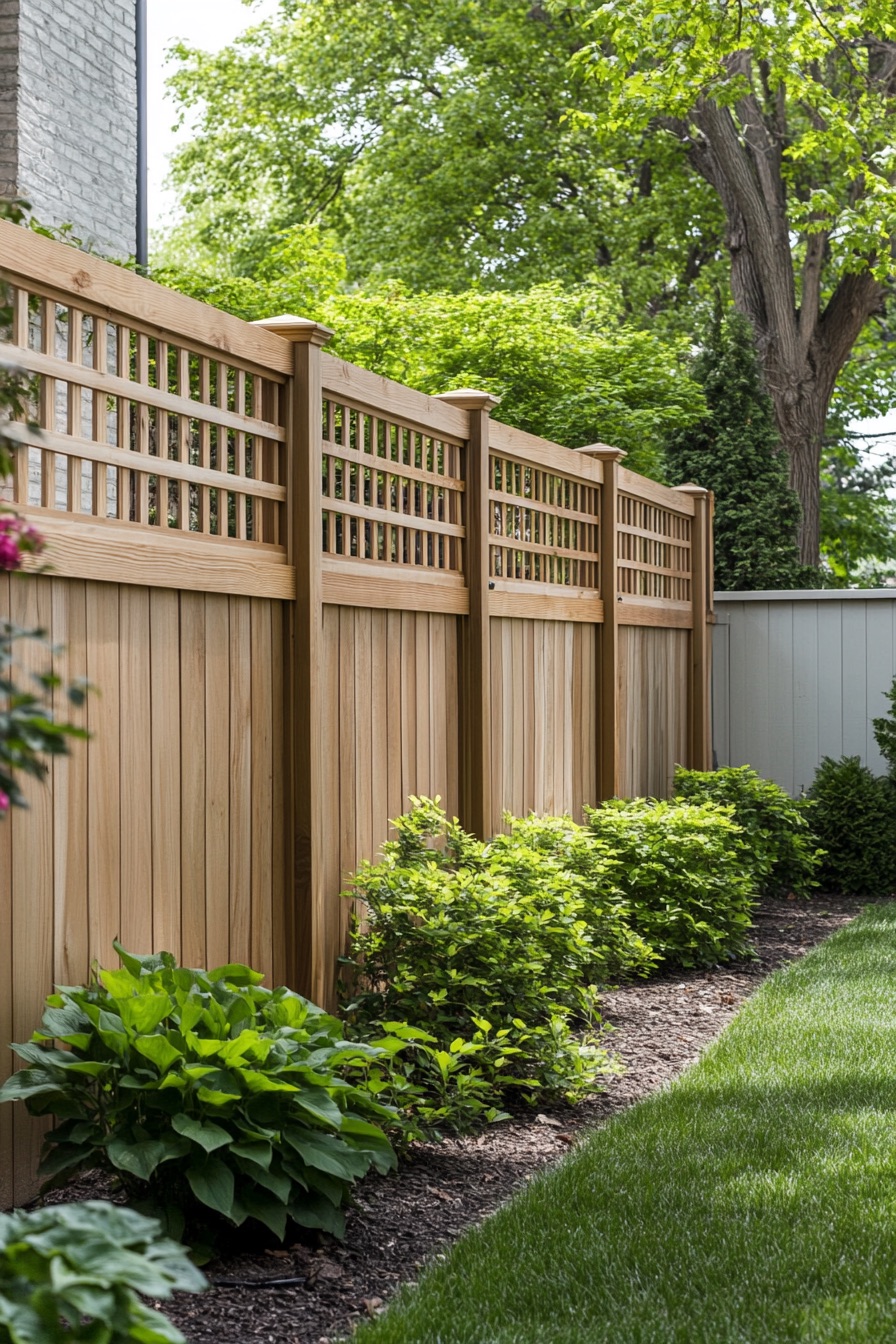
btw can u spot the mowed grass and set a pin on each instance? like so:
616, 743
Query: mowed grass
754, 1200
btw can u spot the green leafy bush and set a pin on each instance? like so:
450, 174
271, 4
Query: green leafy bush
72, 1272
853, 816
484, 949
776, 829
684, 874
209, 1097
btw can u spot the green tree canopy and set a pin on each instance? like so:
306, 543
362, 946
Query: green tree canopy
435, 139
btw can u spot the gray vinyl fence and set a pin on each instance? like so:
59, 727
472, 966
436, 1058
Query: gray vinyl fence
798, 676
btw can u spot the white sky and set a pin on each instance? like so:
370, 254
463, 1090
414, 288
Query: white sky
209, 24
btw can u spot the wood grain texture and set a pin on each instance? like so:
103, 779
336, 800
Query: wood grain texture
653, 709
544, 673
136, 833
107, 290
114, 552
389, 686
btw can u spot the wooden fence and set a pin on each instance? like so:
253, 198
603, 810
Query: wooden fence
303, 593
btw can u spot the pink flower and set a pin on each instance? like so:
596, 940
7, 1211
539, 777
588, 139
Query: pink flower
4, 802
17, 539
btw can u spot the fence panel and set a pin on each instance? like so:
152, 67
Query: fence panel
305, 593
799, 676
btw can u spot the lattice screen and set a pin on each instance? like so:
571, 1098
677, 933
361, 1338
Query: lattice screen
391, 493
653, 550
143, 430
544, 526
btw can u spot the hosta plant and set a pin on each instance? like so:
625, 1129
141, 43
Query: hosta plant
71, 1274
209, 1097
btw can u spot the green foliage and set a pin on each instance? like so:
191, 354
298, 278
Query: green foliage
209, 1097
822, 70
476, 959
885, 731
562, 363
486, 950
434, 140
684, 873
73, 1272
300, 270
854, 818
735, 452
858, 514
776, 831
29, 729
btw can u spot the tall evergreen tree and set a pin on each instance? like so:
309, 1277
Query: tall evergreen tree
735, 451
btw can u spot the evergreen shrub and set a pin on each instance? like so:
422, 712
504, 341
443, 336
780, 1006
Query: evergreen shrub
487, 950
853, 815
735, 451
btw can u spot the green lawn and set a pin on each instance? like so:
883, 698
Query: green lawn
752, 1201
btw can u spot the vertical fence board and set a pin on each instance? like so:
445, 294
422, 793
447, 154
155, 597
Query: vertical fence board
164, 660
217, 780
32, 884
104, 769
136, 769
71, 958
261, 788
192, 772
240, 779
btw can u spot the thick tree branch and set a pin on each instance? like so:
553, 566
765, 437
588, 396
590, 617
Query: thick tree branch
810, 299
856, 298
766, 237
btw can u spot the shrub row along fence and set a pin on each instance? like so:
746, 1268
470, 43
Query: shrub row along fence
305, 593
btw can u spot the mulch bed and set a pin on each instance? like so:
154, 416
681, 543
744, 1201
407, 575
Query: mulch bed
401, 1221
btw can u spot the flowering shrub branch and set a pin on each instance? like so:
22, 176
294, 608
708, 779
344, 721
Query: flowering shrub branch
29, 732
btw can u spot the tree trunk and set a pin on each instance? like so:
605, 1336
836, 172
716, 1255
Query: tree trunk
801, 411
802, 343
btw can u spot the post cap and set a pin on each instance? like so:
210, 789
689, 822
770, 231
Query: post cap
297, 329
696, 491
603, 452
467, 399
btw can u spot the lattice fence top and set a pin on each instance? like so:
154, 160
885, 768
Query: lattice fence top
144, 427
653, 550
393, 494
544, 525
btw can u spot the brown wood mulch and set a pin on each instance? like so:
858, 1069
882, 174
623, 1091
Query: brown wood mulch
402, 1221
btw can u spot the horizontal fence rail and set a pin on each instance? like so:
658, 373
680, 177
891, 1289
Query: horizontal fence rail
306, 593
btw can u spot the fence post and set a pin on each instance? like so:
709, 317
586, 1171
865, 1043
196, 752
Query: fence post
306, 900
701, 642
610, 753
477, 802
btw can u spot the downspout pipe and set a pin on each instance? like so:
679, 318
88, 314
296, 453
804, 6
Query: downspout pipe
142, 250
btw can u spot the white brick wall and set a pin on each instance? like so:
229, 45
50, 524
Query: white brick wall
74, 137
